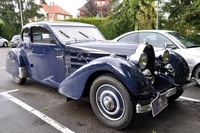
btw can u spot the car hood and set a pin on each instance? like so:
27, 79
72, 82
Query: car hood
191, 51
105, 47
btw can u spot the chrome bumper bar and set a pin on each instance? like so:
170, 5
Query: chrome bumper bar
148, 107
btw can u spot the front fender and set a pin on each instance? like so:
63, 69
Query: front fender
15, 64
181, 67
73, 86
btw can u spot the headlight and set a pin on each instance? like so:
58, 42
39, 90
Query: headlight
143, 60
166, 56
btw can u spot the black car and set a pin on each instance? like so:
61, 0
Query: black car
121, 79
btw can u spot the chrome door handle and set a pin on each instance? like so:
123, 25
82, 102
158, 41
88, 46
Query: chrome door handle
60, 57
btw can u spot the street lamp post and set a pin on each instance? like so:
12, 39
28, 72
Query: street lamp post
21, 13
157, 15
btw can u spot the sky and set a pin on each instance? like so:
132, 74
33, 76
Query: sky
71, 6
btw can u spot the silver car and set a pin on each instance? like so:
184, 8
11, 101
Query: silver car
3, 42
16, 39
186, 47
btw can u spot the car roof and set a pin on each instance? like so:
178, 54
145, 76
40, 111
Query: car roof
51, 23
158, 31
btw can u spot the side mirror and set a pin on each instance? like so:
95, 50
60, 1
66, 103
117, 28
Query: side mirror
170, 46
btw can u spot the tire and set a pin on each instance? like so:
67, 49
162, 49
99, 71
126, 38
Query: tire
197, 74
5, 44
111, 102
18, 80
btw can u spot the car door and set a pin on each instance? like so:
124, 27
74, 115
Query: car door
47, 57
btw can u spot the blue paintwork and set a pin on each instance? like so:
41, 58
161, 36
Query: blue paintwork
181, 67
127, 72
14, 61
57, 65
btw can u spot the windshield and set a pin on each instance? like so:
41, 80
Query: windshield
16, 37
183, 40
77, 33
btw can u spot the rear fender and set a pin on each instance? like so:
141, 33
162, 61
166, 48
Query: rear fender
74, 85
15, 64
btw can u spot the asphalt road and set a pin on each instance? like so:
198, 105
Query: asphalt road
36, 108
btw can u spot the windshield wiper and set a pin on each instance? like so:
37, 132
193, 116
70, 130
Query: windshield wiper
85, 35
64, 34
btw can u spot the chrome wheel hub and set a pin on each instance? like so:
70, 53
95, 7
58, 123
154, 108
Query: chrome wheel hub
108, 103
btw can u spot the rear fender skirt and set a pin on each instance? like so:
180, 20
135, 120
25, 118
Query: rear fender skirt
15, 64
73, 86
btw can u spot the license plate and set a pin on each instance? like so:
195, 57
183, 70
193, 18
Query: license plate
158, 104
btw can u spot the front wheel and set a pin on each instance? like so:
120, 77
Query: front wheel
197, 74
18, 80
111, 102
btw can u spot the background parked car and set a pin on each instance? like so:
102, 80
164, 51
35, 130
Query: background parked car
15, 41
3, 42
188, 48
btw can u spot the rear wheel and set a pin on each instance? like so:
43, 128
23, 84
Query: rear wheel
18, 80
5, 44
111, 102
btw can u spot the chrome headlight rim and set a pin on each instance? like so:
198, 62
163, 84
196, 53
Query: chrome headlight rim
143, 60
166, 56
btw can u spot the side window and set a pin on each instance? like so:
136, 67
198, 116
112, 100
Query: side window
128, 38
42, 35
25, 35
155, 39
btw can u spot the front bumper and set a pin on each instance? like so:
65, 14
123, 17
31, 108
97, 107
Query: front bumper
160, 102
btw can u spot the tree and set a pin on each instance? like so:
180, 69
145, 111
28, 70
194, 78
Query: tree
10, 13
31, 10
94, 10
183, 14
9, 17
133, 14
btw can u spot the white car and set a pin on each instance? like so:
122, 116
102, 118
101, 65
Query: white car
189, 49
3, 42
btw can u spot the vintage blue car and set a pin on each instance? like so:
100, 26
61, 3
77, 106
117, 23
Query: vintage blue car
120, 79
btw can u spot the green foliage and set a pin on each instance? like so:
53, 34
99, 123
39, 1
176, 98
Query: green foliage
10, 14
133, 15
3, 30
183, 17
100, 23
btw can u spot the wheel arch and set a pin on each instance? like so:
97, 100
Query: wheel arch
194, 69
78, 84
15, 63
